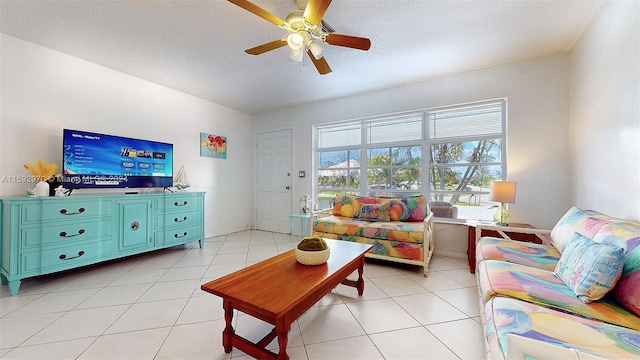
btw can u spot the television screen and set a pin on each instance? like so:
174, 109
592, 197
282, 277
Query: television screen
92, 160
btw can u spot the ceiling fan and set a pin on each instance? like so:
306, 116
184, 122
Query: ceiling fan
306, 29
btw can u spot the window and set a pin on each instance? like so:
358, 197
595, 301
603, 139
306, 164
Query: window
456, 150
393, 168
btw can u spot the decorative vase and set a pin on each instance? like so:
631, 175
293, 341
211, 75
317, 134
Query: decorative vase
53, 182
502, 216
42, 188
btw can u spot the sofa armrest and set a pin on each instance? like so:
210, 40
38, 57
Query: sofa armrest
429, 242
322, 213
541, 234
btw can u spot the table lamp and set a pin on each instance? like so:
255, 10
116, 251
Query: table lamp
503, 192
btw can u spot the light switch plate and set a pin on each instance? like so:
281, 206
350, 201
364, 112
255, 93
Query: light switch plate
301, 174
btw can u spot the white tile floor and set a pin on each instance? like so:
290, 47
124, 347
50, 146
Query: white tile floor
151, 307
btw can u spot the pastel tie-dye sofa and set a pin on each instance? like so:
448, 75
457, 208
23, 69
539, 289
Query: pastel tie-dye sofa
576, 295
399, 228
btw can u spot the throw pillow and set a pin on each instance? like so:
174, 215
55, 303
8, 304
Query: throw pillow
588, 268
346, 206
586, 222
375, 212
627, 236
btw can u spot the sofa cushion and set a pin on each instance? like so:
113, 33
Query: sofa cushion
504, 316
500, 278
375, 212
326, 235
349, 205
339, 225
519, 252
627, 292
585, 222
407, 208
627, 235
590, 269
396, 249
412, 232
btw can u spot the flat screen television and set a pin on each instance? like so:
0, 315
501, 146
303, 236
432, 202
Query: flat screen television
92, 160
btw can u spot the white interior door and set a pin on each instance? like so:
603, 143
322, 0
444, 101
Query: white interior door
274, 181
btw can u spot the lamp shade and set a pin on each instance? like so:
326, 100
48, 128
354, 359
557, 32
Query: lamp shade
316, 50
297, 55
503, 191
295, 40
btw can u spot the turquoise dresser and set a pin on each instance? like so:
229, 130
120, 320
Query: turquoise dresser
43, 235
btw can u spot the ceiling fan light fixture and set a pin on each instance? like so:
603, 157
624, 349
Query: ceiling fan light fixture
295, 40
306, 29
316, 50
297, 54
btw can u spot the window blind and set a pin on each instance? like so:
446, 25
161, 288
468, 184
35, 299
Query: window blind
474, 120
340, 135
395, 129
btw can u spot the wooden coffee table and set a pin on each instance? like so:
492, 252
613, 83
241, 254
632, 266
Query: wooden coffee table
279, 290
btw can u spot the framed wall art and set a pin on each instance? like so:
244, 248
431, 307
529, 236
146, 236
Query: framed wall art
213, 146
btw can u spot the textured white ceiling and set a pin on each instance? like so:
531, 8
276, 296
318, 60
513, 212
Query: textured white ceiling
197, 47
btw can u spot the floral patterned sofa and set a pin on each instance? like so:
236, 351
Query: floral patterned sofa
399, 228
576, 295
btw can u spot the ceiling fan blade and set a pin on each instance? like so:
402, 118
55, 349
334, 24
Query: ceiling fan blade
261, 49
258, 11
349, 41
315, 10
320, 64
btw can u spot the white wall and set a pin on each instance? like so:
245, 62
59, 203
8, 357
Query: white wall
44, 91
538, 132
605, 113
537, 92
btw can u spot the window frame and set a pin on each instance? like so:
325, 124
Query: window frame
425, 142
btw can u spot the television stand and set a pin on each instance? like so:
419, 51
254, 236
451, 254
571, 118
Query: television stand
43, 235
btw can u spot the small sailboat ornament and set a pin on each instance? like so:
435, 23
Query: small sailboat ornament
181, 181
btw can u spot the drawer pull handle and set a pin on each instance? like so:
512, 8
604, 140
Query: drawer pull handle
135, 225
64, 257
183, 204
64, 233
178, 220
64, 212
178, 236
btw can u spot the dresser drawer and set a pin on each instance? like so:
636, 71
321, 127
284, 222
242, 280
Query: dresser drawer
178, 235
181, 218
63, 258
65, 232
186, 202
65, 210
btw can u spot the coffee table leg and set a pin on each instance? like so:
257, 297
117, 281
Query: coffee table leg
228, 330
283, 325
360, 282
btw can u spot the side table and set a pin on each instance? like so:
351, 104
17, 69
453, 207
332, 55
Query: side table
491, 229
304, 223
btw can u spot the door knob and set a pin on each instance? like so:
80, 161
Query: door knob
287, 187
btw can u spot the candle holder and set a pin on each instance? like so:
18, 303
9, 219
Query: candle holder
305, 204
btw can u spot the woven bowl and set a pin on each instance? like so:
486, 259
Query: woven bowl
312, 257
